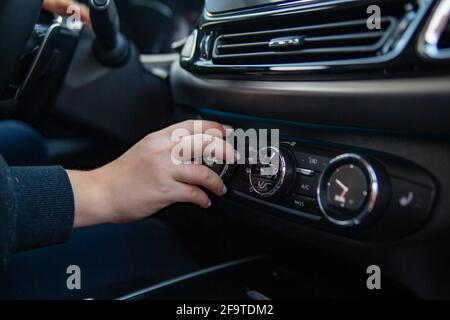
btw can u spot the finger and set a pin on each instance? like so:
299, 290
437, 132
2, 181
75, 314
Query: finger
193, 127
203, 146
85, 16
185, 193
219, 149
56, 7
200, 176
63, 7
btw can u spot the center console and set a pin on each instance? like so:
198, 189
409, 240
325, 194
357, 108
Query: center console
363, 119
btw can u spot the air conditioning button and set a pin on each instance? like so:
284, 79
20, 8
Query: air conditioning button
307, 185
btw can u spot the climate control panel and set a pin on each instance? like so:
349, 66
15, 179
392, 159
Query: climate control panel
355, 193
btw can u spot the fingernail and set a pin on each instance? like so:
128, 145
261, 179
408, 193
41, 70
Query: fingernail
209, 203
225, 189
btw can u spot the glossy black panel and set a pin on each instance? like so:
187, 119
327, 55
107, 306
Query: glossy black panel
220, 6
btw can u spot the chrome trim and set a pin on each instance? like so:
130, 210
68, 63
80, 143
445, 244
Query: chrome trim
191, 40
205, 45
432, 33
305, 172
280, 182
103, 7
36, 59
189, 276
257, 296
166, 58
374, 191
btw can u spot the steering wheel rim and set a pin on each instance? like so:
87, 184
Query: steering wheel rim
17, 20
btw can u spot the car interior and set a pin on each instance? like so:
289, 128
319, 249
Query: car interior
358, 89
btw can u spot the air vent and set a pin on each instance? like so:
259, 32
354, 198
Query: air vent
313, 34
323, 42
435, 43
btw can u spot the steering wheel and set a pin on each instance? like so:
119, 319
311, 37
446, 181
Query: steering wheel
17, 20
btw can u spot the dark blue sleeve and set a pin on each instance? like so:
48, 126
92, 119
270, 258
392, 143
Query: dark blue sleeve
36, 208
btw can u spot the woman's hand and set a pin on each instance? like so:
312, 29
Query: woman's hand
147, 178
63, 8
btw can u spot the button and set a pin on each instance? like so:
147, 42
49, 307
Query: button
410, 199
305, 172
310, 161
307, 185
301, 203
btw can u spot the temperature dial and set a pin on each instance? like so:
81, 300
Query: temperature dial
274, 173
351, 190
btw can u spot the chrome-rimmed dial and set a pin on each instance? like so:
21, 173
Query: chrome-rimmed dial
274, 175
349, 190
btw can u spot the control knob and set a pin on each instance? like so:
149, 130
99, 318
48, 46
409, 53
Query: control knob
352, 191
274, 173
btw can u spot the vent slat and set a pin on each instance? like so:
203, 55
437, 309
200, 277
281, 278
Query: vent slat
320, 42
353, 36
243, 45
307, 28
360, 49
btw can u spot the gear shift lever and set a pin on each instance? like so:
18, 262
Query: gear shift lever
111, 47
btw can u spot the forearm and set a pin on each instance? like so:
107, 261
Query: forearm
92, 204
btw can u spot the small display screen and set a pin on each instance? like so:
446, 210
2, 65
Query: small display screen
220, 6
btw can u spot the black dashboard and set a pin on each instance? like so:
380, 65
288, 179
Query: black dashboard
364, 121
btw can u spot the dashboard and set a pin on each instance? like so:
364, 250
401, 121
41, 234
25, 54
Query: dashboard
362, 109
